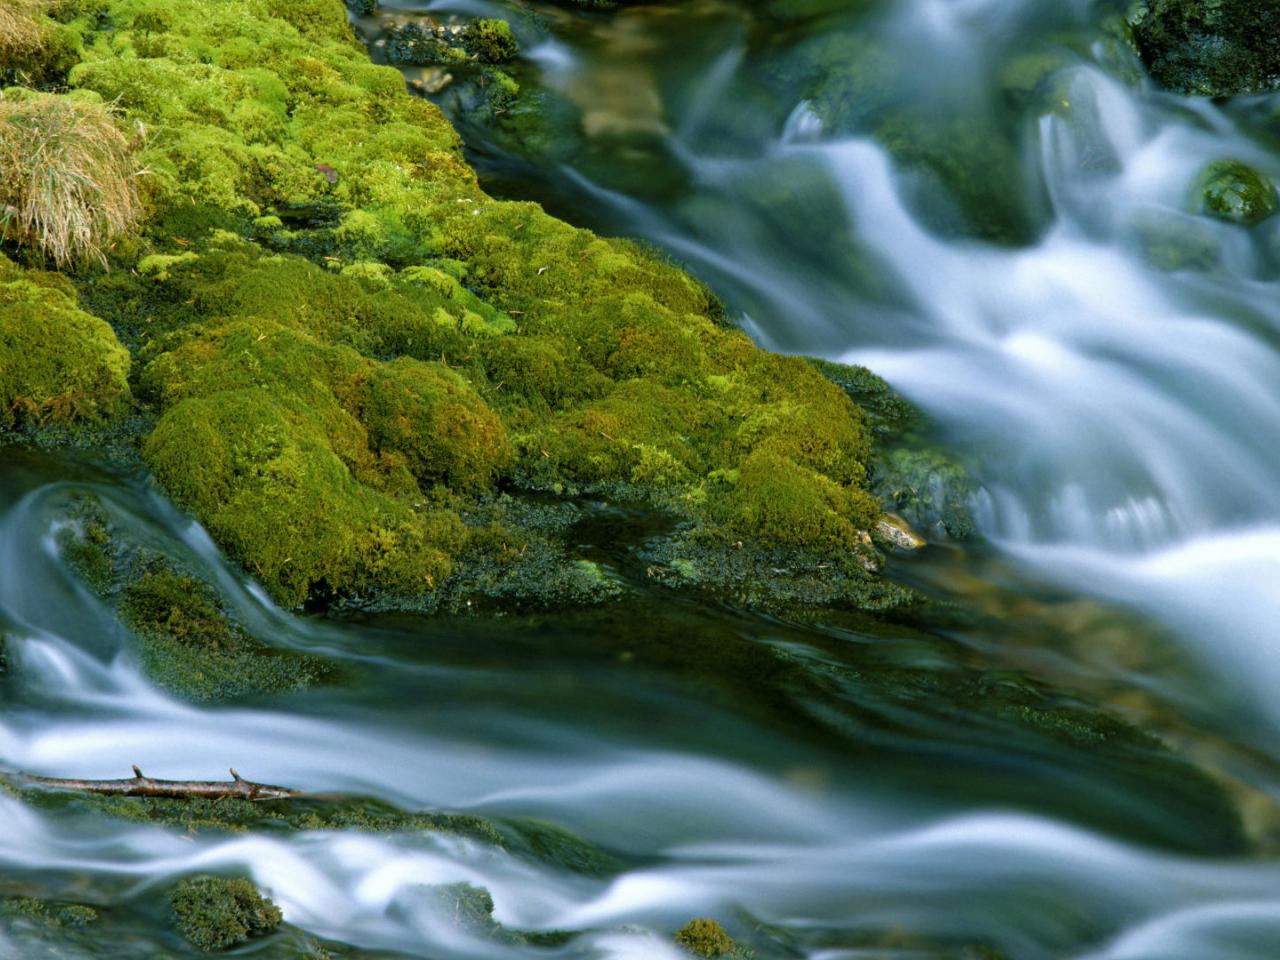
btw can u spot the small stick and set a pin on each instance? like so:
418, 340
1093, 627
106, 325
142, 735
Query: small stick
141, 786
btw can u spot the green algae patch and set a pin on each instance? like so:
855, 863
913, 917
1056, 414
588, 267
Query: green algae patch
216, 913
1234, 191
526, 838
57, 362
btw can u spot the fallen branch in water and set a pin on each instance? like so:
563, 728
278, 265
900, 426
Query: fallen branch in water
140, 786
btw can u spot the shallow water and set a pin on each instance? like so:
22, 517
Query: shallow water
860, 791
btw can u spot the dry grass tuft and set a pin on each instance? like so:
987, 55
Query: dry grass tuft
68, 178
20, 28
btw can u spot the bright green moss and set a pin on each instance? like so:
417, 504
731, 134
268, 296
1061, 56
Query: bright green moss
429, 416
776, 500
1230, 190
215, 913
57, 362
270, 487
392, 343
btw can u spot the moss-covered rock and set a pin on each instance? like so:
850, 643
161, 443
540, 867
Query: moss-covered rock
347, 342
1215, 48
45, 914
491, 40
57, 362
1234, 191
215, 913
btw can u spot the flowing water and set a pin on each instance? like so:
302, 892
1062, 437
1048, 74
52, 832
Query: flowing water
982, 201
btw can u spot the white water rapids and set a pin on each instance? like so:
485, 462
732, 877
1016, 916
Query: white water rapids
1124, 422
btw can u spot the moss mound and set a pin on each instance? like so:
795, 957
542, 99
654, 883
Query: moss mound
1215, 48
704, 937
57, 362
215, 913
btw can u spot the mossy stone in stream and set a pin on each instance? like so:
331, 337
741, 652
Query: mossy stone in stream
1215, 48
272, 374
704, 937
1234, 191
215, 913
57, 362
529, 839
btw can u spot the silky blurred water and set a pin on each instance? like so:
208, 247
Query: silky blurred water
1101, 356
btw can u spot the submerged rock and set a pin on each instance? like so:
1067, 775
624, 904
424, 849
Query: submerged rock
1231, 190
1214, 48
184, 635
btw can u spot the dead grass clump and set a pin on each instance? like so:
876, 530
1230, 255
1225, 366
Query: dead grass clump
20, 28
68, 178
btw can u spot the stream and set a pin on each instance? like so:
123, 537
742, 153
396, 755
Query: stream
984, 202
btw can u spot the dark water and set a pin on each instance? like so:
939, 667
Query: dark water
984, 202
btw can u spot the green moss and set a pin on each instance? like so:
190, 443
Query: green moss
704, 937
57, 362
1234, 191
43, 60
47, 914
491, 40
1216, 48
391, 344
191, 646
215, 913
432, 419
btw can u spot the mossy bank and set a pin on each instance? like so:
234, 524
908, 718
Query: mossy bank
347, 348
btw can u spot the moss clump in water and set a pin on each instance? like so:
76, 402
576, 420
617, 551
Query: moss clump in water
1234, 191
57, 362
215, 913
491, 40
704, 937
43, 913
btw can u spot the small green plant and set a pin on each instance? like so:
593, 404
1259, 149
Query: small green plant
68, 179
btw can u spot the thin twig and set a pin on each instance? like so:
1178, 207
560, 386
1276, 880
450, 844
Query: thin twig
141, 786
